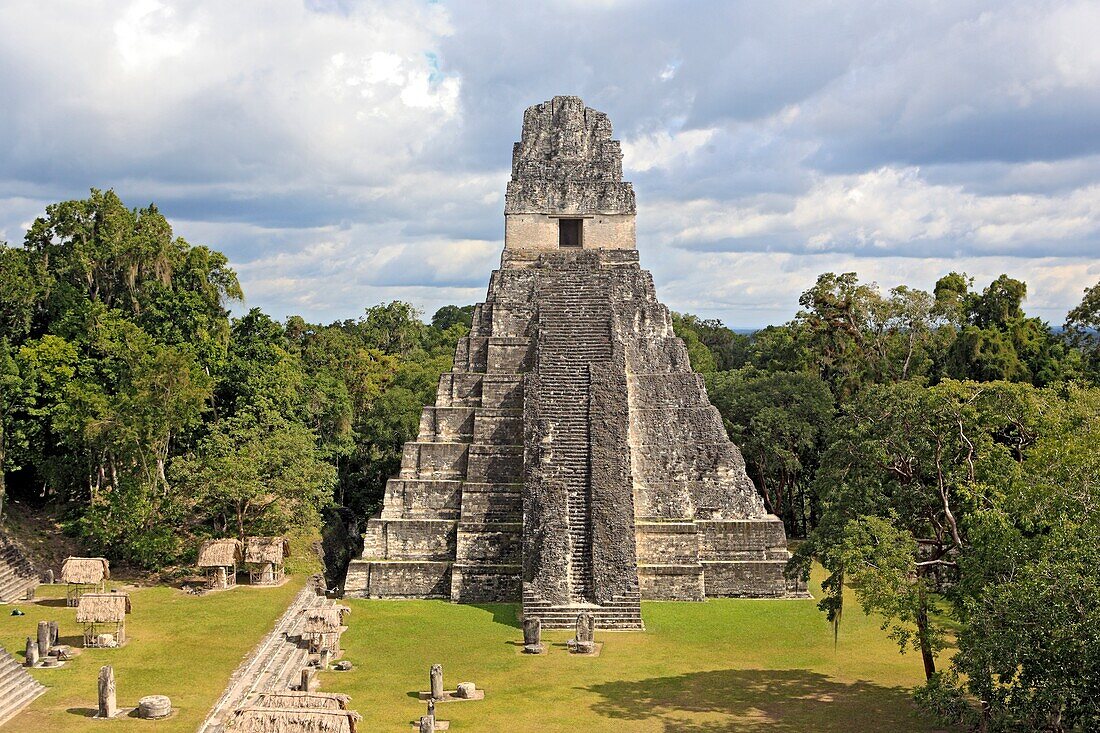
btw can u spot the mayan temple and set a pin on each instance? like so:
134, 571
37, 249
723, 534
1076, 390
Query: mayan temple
572, 459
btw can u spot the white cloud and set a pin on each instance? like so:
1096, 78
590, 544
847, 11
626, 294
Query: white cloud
893, 210
148, 33
360, 152
663, 149
761, 288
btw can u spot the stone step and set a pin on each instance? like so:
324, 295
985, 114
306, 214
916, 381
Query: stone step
17, 688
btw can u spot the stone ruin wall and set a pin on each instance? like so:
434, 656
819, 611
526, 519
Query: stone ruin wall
452, 523
571, 455
567, 164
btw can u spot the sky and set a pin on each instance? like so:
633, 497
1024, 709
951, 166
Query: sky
344, 154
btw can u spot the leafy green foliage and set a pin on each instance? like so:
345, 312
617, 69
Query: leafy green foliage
1082, 329
779, 420
257, 477
934, 447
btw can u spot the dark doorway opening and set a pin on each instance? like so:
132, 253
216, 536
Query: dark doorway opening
569, 232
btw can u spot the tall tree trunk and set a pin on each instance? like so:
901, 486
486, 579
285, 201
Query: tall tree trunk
922, 633
3, 468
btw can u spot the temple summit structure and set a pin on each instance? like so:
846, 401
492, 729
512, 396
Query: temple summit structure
572, 459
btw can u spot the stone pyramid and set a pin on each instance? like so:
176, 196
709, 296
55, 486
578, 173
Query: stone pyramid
572, 459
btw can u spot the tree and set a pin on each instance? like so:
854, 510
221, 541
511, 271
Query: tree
700, 357
394, 328
927, 462
20, 293
1000, 304
779, 420
11, 398
1082, 329
452, 315
1029, 601
876, 555
835, 317
258, 477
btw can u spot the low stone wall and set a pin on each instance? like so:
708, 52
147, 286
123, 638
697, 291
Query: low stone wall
485, 583
434, 460
398, 579
446, 424
409, 539
498, 427
746, 579
502, 391
667, 543
507, 355
671, 582
492, 502
743, 539
432, 498
493, 544
495, 464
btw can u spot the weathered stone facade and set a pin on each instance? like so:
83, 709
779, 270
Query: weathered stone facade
572, 458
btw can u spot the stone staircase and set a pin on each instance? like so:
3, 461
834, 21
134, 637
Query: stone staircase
624, 613
574, 333
18, 577
17, 688
275, 665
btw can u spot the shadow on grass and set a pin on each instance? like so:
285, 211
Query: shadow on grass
505, 614
53, 602
736, 701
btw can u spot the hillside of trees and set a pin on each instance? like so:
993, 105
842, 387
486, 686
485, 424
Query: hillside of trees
935, 451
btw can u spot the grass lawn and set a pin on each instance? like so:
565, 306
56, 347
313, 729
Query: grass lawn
725, 665
177, 645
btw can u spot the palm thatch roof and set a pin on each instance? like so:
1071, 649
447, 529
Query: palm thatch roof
102, 608
266, 549
296, 699
85, 570
325, 619
293, 720
219, 553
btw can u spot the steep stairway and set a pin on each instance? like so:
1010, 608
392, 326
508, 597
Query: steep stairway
17, 576
17, 688
274, 665
574, 332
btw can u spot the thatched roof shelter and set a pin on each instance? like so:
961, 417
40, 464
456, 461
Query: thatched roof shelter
296, 699
102, 608
325, 619
220, 553
294, 720
266, 549
85, 570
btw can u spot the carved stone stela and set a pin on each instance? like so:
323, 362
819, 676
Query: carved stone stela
572, 459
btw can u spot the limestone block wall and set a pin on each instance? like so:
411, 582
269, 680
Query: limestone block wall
701, 527
509, 488
451, 521
539, 232
571, 455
